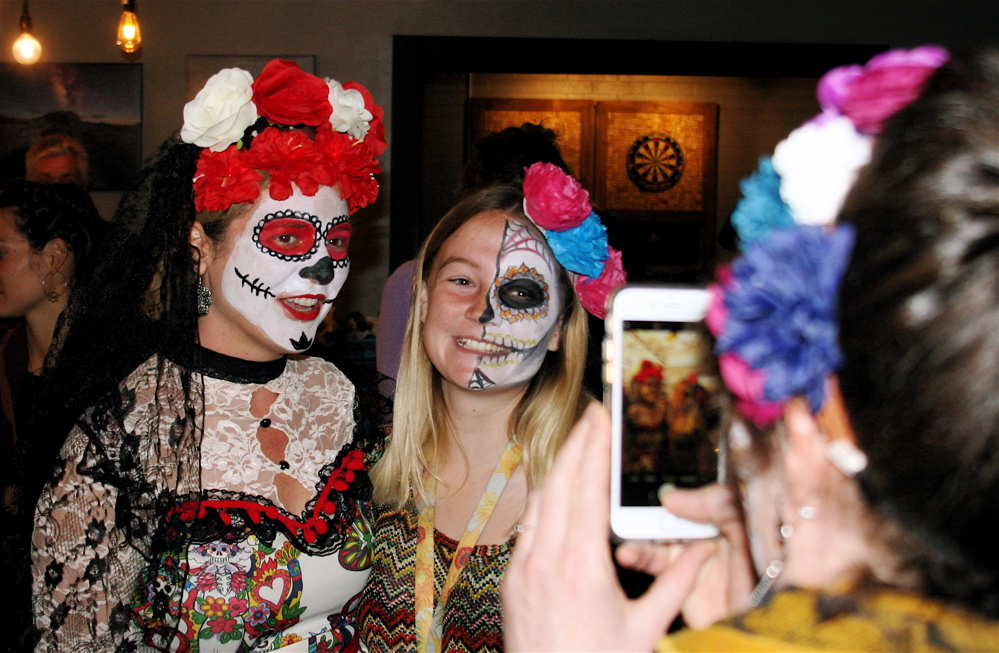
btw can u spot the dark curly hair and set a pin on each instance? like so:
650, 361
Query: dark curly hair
48, 211
500, 158
918, 312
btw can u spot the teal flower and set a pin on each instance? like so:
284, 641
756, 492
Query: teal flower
582, 249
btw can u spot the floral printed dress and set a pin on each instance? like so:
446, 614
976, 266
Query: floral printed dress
266, 545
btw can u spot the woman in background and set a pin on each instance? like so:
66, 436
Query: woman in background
490, 383
213, 495
872, 503
46, 236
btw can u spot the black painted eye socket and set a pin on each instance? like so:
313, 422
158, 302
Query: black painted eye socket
522, 294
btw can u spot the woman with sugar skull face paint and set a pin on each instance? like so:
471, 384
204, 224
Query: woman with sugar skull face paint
213, 496
490, 382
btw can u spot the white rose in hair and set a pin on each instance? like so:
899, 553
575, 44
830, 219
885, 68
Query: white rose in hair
220, 113
349, 115
818, 163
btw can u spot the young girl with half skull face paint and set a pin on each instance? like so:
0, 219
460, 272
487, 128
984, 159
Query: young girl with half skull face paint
490, 382
214, 493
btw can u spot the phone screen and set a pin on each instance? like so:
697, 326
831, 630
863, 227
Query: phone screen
671, 417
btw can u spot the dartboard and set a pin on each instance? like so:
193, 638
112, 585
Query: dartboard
655, 163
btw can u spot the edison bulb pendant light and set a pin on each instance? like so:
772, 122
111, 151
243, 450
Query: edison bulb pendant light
27, 49
129, 35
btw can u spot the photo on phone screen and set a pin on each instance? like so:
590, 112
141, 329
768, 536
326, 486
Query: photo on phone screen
671, 418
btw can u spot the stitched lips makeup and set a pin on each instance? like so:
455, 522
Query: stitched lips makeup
288, 264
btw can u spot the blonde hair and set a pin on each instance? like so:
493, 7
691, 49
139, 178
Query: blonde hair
57, 145
422, 431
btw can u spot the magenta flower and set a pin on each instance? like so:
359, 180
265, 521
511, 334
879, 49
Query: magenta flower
871, 94
593, 292
554, 200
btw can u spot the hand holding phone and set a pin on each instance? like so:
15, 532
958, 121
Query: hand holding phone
662, 390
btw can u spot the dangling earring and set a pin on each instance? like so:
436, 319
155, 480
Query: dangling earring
776, 566
770, 575
50, 294
204, 298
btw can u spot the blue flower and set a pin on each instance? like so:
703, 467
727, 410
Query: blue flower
782, 309
582, 249
761, 209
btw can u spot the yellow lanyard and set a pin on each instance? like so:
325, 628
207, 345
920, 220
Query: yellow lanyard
429, 617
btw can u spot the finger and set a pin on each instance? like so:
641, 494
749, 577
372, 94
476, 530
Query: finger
591, 496
652, 559
661, 603
715, 504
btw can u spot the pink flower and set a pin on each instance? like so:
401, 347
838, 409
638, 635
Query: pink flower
872, 94
553, 199
717, 314
593, 292
205, 582
747, 384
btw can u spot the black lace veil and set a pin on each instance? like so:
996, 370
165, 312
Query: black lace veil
139, 301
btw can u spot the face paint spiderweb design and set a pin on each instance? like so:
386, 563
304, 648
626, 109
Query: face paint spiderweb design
522, 312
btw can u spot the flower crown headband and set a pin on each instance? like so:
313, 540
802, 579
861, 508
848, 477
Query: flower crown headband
560, 207
773, 311
249, 126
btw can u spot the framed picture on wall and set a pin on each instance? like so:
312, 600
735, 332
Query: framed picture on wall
99, 104
571, 120
656, 171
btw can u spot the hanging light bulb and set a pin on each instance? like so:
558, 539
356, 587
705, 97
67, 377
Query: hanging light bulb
129, 36
27, 49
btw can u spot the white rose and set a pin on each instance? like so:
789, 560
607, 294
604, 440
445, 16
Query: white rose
817, 164
220, 113
349, 114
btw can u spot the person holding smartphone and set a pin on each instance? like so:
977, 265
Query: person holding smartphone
867, 451
489, 385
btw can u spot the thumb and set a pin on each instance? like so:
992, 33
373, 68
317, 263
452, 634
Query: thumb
659, 606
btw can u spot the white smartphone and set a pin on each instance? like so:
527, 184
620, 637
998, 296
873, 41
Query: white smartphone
663, 391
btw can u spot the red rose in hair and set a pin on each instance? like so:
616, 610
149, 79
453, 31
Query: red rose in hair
289, 156
222, 179
374, 141
285, 94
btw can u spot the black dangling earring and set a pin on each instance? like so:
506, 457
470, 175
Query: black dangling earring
204, 298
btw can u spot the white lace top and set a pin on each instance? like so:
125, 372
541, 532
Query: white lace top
265, 553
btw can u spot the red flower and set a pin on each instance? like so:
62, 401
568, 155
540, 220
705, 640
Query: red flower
286, 95
352, 166
290, 156
222, 625
222, 179
374, 142
461, 556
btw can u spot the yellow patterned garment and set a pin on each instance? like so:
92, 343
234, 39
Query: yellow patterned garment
877, 620
472, 619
